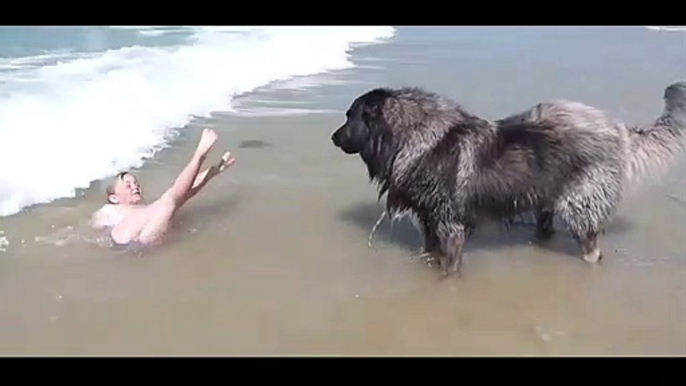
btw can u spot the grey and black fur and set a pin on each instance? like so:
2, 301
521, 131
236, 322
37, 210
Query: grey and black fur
450, 168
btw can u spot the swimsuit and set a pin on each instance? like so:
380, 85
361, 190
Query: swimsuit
131, 244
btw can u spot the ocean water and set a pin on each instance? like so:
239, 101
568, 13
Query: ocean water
668, 28
81, 103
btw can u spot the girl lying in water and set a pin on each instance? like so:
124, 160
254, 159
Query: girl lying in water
132, 221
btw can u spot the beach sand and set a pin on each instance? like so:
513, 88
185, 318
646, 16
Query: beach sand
272, 257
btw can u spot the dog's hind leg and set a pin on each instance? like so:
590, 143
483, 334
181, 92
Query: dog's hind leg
589, 247
431, 242
544, 223
586, 207
452, 239
584, 225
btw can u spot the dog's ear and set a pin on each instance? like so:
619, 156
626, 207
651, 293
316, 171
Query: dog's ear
371, 110
372, 117
379, 147
373, 106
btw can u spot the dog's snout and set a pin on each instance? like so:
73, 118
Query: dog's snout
335, 138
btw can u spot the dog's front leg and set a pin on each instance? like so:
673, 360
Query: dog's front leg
452, 238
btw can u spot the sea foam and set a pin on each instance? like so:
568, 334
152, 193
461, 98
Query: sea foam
80, 117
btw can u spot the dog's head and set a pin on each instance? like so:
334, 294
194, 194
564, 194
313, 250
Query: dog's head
364, 121
367, 132
383, 123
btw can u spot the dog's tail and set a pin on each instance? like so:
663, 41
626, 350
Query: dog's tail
657, 144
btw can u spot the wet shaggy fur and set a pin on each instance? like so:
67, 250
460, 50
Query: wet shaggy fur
449, 168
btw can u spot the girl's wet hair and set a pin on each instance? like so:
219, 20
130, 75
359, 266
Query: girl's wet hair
109, 189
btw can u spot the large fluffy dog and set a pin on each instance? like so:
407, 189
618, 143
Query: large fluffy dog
450, 168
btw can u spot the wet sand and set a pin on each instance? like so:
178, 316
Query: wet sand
272, 258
